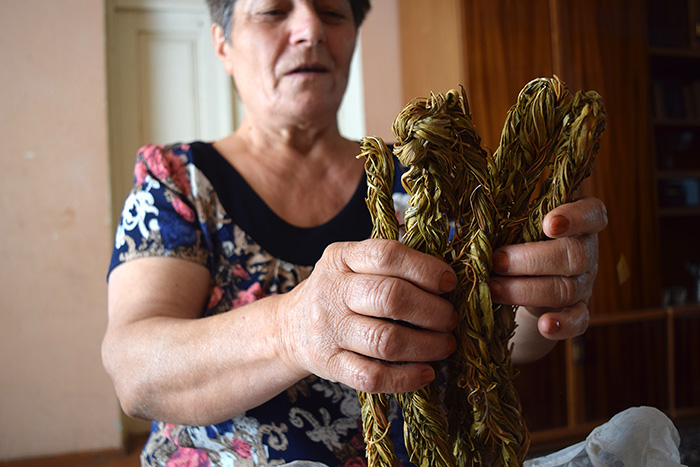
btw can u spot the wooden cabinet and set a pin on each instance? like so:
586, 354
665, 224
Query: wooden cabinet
636, 352
590, 44
674, 69
674, 57
685, 384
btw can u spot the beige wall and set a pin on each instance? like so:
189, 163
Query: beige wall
381, 66
55, 232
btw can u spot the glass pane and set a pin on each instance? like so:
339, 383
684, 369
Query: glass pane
678, 148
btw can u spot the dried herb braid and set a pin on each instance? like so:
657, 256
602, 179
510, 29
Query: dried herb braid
425, 144
489, 204
484, 410
574, 159
379, 167
529, 141
498, 435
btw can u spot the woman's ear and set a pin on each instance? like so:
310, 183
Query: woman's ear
222, 48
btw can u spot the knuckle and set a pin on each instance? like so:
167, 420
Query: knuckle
382, 341
591, 247
530, 259
586, 321
601, 213
594, 214
581, 329
335, 253
384, 253
585, 286
387, 295
334, 367
369, 379
566, 289
583, 313
577, 255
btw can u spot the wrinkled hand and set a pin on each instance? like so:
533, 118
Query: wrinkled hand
553, 280
371, 316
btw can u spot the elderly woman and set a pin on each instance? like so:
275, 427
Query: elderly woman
246, 304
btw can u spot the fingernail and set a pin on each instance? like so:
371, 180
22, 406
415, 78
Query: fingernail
553, 327
501, 263
451, 345
427, 376
496, 289
448, 281
559, 225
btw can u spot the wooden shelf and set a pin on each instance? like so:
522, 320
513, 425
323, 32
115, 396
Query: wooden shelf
579, 427
638, 316
634, 316
686, 211
665, 174
685, 310
676, 122
675, 86
674, 52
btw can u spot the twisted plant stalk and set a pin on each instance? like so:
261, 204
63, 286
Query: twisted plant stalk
549, 140
574, 157
529, 140
379, 167
484, 411
425, 144
497, 434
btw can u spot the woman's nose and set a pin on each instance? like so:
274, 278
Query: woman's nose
306, 25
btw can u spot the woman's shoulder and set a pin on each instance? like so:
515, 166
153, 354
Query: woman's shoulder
172, 164
165, 163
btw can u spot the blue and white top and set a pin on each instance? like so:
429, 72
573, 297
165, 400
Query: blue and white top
188, 202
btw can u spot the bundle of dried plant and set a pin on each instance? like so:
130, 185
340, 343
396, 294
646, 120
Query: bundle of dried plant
547, 148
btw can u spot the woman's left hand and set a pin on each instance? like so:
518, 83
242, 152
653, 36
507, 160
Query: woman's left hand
551, 281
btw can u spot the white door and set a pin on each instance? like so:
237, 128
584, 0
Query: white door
166, 84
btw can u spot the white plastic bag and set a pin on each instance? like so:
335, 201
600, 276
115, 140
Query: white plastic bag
640, 436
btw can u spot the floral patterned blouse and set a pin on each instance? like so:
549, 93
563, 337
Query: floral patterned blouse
188, 202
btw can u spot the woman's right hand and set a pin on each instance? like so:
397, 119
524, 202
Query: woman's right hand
371, 316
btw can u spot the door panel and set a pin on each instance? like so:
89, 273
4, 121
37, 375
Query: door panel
166, 85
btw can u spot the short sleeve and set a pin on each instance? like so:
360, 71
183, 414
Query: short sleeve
159, 216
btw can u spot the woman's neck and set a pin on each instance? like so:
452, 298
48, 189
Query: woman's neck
305, 175
290, 137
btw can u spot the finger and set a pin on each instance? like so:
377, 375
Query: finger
542, 291
391, 341
564, 324
585, 216
562, 256
392, 258
399, 300
375, 376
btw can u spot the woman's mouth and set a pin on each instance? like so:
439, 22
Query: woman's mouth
304, 69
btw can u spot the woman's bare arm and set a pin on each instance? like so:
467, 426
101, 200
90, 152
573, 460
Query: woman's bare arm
167, 364
342, 324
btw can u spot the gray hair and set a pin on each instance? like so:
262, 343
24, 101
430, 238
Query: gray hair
221, 12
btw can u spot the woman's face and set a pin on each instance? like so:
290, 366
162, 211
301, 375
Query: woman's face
291, 57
